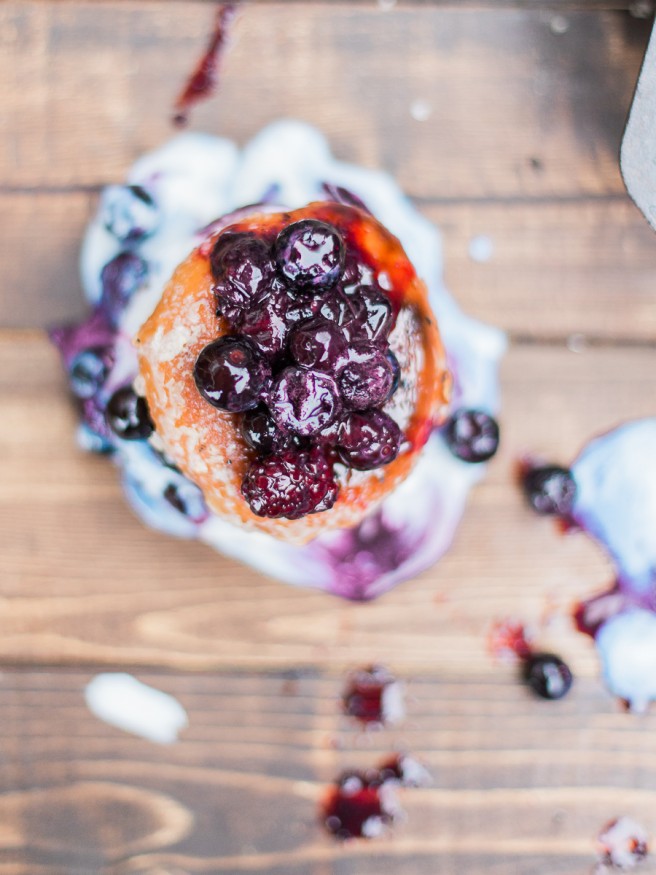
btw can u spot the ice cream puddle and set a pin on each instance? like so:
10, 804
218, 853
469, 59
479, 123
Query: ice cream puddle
143, 230
623, 844
610, 493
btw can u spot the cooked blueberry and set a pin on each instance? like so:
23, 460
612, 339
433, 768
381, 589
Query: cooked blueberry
128, 212
304, 401
242, 269
89, 370
259, 430
365, 313
128, 416
472, 435
547, 675
265, 323
230, 374
290, 484
550, 489
310, 254
263, 435
368, 383
120, 278
319, 344
369, 439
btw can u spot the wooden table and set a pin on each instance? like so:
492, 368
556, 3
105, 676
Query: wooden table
525, 109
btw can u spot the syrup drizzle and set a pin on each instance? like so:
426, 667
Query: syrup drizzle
204, 79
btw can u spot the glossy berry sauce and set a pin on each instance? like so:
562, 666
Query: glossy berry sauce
205, 77
309, 314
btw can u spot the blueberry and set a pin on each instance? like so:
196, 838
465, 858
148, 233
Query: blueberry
472, 435
263, 435
230, 374
550, 490
365, 313
319, 344
367, 383
290, 484
547, 675
89, 370
128, 416
128, 212
304, 401
266, 323
120, 278
368, 440
309, 255
242, 269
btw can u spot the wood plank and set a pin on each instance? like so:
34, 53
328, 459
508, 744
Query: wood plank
89, 86
240, 790
83, 582
555, 269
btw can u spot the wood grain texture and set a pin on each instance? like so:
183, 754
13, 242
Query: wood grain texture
240, 790
89, 86
83, 581
556, 269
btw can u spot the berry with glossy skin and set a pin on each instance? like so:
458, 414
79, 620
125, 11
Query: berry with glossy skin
120, 279
230, 374
263, 435
266, 323
547, 675
89, 370
128, 212
550, 490
242, 269
309, 255
472, 435
127, 415
290, 484
304, 401
366, 383
364, 314
368, 439
319, 344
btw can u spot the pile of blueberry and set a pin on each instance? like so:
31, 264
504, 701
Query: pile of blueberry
307, 362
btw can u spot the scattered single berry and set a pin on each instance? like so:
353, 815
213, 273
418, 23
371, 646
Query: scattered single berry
472, 435
128, 416
547, 675
310, 255
231, 375
550, 490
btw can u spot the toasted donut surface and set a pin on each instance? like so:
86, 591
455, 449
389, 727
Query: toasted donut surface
206, 443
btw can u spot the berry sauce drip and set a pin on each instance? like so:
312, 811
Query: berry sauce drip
545, 674
306, 360
373, 696
205, 78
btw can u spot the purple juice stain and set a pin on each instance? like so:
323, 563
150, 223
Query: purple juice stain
204, 79
373, 696
363, 804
